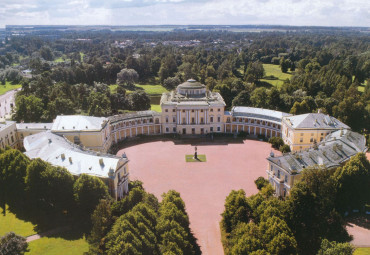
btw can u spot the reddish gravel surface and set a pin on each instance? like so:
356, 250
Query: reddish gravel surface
202, 185
361, 235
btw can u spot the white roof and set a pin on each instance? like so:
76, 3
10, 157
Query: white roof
46, 126
78, 123
315, 120
50, 147
255, 112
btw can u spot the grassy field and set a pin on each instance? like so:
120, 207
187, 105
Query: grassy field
190, 158
156, 107
148, 88
5, 88
362, 251
57, 246
275, 70
11, 223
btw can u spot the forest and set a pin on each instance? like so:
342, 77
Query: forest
78, 73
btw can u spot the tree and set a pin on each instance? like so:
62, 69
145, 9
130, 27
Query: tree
13, 167
259, 97
334, 248
276, 142
261, 182
237, 210
284, 65
254, 72
28, 109
102, 221
242, 99
171, 83
127, 77
284, 148
12, 244
46, 53
353, 183
99, 104
300, 108
88, 190
139, 101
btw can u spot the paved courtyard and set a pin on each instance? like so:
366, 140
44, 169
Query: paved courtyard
202, 185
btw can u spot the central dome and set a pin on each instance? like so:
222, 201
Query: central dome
191, 87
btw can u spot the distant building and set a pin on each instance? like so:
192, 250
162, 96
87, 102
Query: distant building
59, 151
337, 148
26, 129
302, 131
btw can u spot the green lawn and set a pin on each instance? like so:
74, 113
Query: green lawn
275, 70
5, 88
156, 107
362, 251
148, 88
190, 158
11, 223
57, 246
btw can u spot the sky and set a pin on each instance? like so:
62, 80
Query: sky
185, 12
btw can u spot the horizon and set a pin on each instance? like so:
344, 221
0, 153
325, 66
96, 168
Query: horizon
332, 13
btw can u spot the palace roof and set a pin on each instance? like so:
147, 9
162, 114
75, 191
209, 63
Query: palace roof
78, 123
315, 121
59, 151
252, 112
337, 148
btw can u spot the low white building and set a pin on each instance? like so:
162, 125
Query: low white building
58, 151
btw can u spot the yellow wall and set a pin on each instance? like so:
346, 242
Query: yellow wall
8, 136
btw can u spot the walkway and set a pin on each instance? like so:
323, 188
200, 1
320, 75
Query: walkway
47, 234
203, 186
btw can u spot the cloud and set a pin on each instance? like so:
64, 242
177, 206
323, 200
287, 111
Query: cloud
156, 12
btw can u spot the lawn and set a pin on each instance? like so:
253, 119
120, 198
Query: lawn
362, 251
11, 223
275, 70
148, 88
5, 88
57, 246
190, 158
155, 107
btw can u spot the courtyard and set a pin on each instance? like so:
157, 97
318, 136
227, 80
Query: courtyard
203, 186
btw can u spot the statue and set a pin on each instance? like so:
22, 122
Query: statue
195, 153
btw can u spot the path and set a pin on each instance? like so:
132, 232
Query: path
5, 102
47, 234
203, 185
361, 235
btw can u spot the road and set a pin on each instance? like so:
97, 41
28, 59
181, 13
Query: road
6, 101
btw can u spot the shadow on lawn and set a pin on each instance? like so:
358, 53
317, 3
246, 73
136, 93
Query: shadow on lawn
58, 224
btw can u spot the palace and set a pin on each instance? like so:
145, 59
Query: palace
190, 110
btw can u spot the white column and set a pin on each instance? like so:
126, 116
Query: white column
249, 129
136, 131
265, 132
130, 132
237, 128
115, 137
142, 130
160, 129
243, 127
119, 135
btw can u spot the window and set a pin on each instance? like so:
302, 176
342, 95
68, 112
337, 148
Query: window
166, 119
183, 110
201, 120
311, 140
218, 129
211, 110
192, 110
192, 120
173, 119
174, 129
211, 118
218, 109
322, 134
271, 168
173, 110
211, 129
166, 110
183, 120
321, 139
286, 178
278, 174
219, 119
228, 120
201, 110
167, 130
301, 140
